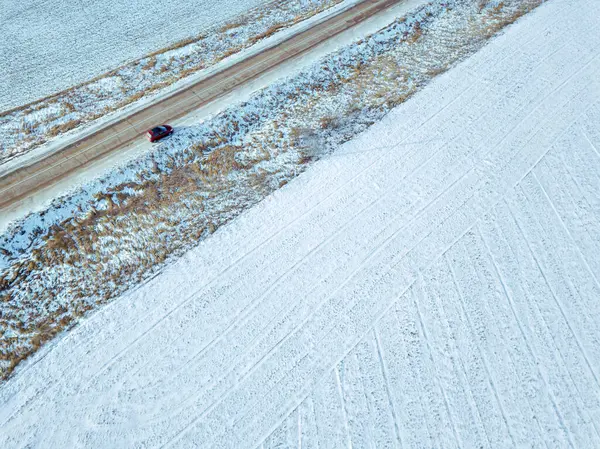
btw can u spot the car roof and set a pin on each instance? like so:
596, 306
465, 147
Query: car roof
158, 129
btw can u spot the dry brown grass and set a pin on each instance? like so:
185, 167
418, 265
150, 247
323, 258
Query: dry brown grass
328, 122
93, 243
229, 52
231, 26
176, 45
189, 71
435, 71
380, 82
70, 107
416, 33
269, 32
25, 128
150, 64
63, 128
135, 97
497, 18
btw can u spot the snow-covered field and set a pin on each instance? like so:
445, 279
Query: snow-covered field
47, 46
87, 100
106, 236
433, 283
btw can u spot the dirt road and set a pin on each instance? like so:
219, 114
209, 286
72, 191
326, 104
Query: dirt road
26, 180
435, 285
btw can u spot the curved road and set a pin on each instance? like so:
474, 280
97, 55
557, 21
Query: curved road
25, 181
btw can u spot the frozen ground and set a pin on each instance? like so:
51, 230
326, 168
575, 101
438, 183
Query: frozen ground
98, 240
49, 46
433, 283
242, 94
86, 101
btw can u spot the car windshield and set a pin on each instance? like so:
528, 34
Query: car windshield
158, 130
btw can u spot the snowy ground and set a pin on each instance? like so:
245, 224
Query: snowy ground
53, 45
88, 246
433, 283
88, 100
237, 96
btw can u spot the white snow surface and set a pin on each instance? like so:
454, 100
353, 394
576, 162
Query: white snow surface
17, 151
434, 283
238, 95
47, 46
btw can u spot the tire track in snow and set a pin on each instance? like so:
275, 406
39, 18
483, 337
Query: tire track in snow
474, 296
506, 289
579, 217
537, 386
438, 222
532, 156
534, 163
565, 82
556, 333
475, 366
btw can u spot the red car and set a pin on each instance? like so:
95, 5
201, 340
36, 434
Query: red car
159, 132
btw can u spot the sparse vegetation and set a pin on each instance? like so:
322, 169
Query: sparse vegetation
188, 190
150, 64
269, 32
158, 70
63, 128
69, 107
